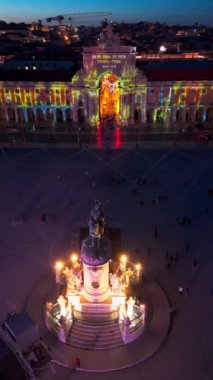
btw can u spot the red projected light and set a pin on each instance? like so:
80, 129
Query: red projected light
117, 138
99, 136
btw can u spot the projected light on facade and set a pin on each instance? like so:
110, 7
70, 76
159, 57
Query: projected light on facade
109, 97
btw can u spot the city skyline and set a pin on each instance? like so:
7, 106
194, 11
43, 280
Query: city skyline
193, 11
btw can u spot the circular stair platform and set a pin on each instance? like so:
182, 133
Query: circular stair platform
101, 348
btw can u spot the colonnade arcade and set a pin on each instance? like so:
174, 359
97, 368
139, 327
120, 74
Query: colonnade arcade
50, 114
179, 114
107, 112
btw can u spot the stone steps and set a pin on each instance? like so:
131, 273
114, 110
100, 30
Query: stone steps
95, 337
95, 324
107, 336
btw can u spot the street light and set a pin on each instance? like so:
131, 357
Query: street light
138, 268
58, 269
74, 258
123, 260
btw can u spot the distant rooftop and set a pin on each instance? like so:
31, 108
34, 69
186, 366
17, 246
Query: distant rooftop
191, 70
37, 75
177, 70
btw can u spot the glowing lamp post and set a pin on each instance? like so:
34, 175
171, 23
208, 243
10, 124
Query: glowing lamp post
74, 259
138, 268
58, 270
123, 260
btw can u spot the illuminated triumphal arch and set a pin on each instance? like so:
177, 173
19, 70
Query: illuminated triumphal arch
110, 87
109, 98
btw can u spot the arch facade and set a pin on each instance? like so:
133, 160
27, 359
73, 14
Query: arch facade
109, 97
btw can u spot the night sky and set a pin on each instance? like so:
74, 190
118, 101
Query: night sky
170, 11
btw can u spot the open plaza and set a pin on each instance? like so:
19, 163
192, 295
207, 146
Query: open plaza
159, 196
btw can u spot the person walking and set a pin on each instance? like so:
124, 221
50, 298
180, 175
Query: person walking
180, 290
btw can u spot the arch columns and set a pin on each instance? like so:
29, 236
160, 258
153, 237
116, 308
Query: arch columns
204, 113
183, 114
63, 115
132, 109
6, 115
25, 115
143, 114
75, 113
194, 110
45, 114
173, 114
35, 114
54, 114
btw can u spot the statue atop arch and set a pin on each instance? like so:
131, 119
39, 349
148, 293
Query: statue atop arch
108, 37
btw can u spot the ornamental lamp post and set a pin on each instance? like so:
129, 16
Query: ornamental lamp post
123, 260
138, 268
74, 258
58, 270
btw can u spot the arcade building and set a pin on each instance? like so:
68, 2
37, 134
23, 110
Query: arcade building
110, 87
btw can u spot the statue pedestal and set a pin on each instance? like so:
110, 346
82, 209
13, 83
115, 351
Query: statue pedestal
95, 255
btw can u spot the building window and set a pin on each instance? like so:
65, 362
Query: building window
37, 91
57, 91
47, 91
27, 91
17, 91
